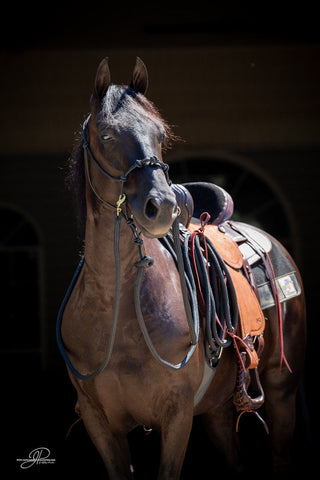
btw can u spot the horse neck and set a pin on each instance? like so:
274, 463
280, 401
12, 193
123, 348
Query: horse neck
99, 246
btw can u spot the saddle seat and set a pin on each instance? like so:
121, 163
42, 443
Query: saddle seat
197, 197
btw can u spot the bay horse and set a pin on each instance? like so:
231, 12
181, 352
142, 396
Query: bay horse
117, 167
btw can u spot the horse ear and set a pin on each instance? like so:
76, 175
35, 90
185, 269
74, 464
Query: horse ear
102, 80
139, 81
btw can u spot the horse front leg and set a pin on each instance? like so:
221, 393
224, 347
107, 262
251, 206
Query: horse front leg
175, 433
112, 446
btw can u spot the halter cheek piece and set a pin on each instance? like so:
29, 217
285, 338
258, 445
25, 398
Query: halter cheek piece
152, 161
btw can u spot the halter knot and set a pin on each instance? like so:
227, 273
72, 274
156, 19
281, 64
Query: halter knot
145, 262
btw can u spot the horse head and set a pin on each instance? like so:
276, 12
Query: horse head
124, 136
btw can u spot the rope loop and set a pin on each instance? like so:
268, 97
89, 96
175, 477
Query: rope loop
204, 220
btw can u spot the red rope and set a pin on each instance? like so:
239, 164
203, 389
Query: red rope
236, 339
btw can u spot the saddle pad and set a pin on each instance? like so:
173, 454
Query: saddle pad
288, 287
253, 234
286, 278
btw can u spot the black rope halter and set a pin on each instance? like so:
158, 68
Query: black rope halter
152, 161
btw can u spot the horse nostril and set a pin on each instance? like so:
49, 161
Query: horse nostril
151, 209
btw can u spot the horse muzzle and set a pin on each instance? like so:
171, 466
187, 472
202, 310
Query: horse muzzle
156, 213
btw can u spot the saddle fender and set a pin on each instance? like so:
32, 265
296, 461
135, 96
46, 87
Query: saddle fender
251, 319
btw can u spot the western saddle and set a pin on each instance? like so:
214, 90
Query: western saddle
240, 246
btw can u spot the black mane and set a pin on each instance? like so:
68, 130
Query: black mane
120, 104
75, 181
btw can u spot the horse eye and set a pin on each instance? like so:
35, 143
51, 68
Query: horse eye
106, 137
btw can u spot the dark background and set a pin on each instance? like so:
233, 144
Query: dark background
240, 84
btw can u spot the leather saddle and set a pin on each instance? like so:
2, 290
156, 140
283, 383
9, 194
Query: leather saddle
244, 249
195, 198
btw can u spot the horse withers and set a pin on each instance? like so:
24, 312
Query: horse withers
132, 355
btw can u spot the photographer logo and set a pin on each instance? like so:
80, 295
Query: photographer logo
38, 456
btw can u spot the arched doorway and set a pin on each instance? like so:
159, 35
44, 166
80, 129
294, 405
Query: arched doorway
255, 201
23, 330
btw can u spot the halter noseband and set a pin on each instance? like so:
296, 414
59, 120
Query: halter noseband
152, 161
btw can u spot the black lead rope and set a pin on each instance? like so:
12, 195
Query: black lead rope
192, 316
143, 263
